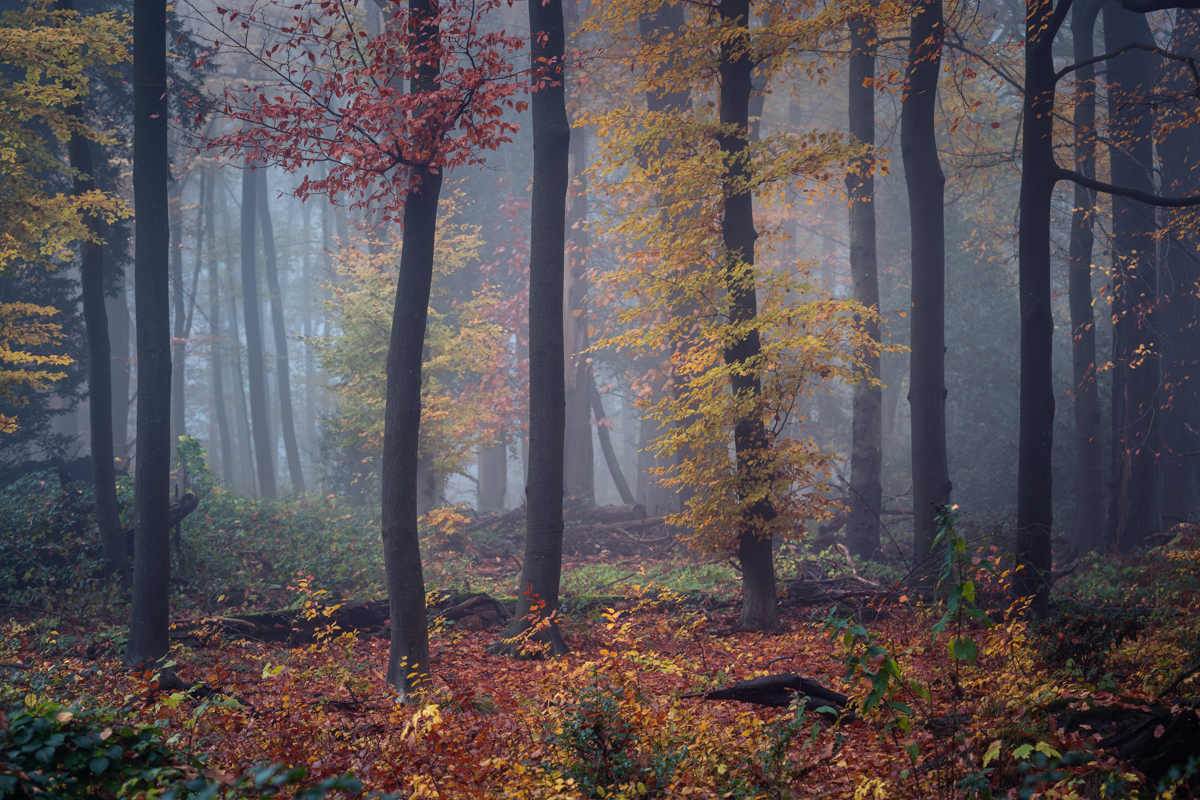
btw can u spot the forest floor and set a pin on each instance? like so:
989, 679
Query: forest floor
955, 698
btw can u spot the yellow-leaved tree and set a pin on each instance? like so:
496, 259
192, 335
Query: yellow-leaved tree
743, 337
45, 56
464, 346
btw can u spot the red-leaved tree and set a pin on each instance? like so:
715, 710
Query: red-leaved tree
387, 115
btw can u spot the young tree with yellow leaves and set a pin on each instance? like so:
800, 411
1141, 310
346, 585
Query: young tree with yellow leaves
753, 341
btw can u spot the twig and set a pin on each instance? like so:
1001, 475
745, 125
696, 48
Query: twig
1188, 671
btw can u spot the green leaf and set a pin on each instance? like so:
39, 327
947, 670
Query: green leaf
993, 752
98, 765
1042, 747
964, 649
1023, 751
968, 591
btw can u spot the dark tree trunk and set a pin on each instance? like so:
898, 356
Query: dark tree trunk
149, 615
1179, 154
117, 309
1134, 502
214, 332
493, 476
759, 607
408, 663
542, 568
100, 409
246, 472
287, 422
610, 455
264, 450
926, 200
1034, 511
866, 452
1088, 524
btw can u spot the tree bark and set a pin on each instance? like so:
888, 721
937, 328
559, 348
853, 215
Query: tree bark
1088, 523
1134, 501
178, 337
759, 606
287, 422
1179, 154
264, 449
1034, 510
926, 198
100, 408
408, 663
542, 568
117, 310
149, 614
866, 451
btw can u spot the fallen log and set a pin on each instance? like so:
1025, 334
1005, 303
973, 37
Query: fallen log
468, 611
779, 691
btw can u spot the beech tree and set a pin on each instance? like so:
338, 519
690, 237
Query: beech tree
334, 95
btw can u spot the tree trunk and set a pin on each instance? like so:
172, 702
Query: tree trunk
866, 452
283, 377
926, 199
408, 663
542, 567
1134, 502
1088, 524
1179, 154
246, 471
759, 607
579, 457
255, 368
178, 353
493, 476
117, 310
214, 332
610, 455
100, 408
1034, 510
149, 614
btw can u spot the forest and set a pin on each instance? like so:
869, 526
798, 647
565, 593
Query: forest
599, 399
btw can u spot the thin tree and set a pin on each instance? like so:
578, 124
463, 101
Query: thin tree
149, 615
866, 451
255, 364
282, 369
926, 202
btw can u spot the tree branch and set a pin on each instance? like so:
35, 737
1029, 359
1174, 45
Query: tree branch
1061, 174
1146, 6
1167, 54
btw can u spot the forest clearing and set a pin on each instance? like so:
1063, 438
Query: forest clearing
599, 398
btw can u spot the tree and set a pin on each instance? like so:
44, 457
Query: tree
749, 350
926, 203
866, 452
538, 590
349, 100
264, 448
149, 614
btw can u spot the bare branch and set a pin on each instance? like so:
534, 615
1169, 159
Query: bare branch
1061, 174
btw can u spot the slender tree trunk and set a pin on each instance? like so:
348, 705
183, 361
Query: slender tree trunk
214, 332
542, 569
408, 664
759, 607
493, 475
1034, 510
283, 373
866, 452
1134, 502
579, 457
606, 447
117, 309
1088, 524
246, 472
259, 422
100, 409
178, 351
1179, 153
926, 199
149, 615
